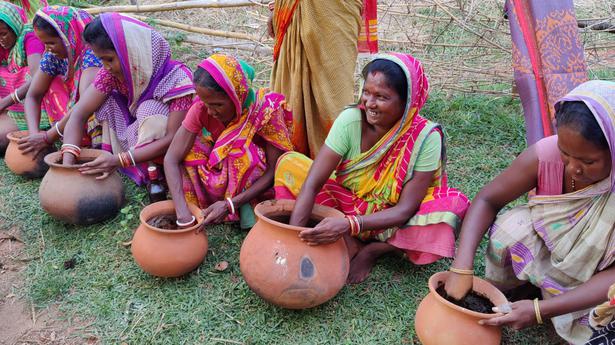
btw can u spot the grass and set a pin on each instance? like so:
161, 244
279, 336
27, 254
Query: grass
125, 305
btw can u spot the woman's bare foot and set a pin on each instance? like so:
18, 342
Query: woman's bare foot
361, 265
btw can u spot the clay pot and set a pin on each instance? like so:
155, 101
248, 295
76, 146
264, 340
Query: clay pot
26, 165
7, 125
440, 322
285, 271
168, 253
75, 198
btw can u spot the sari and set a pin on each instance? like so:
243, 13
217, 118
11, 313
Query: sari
373, 180
14, 70
135, 113
225, 161
317, 83
558, 242
548, 59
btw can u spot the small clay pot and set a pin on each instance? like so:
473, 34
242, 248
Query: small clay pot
285, 271
168, 253
75, 198
440, 322
7, 125
26, 165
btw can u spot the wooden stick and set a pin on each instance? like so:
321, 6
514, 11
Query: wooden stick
246, 46
190, 28
174, 6
597, 25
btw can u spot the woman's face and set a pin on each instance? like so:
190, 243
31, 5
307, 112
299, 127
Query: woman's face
53, 44
584, 161
383, 105
110, 60
218, 104
7, 36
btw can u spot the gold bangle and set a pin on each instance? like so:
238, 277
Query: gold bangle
537, 311
460, 271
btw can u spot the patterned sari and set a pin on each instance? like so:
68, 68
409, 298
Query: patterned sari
139, 116
558, 242
373, 180
225, 161
547, 59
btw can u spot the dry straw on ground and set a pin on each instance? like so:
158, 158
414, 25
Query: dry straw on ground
464, 44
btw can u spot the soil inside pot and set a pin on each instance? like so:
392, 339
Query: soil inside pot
472, 301
285, 218
164, 221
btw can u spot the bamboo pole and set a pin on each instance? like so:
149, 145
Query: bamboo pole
174, 6
245, 46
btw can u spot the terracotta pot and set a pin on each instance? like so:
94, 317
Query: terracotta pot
75, 198
168, 253
26, 165
7, 125
440, 322
285, 271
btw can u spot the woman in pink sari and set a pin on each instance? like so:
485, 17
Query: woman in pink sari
226, 147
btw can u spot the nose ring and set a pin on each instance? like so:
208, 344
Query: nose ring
578, 171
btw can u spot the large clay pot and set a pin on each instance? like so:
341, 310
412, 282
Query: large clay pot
26, 165
285, 271
440, 322
168, 253
75, 198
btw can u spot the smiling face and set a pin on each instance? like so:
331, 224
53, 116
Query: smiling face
110, 60
383, 105
218, 104
7, 36
584, 161
53, 44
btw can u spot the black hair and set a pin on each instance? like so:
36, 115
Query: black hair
577, 115
96, 35
204, 79
395, 76
41, 24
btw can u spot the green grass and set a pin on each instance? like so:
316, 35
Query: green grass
126, 305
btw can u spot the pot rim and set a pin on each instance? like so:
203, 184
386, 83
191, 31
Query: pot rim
441, 276
12, 136
259, 210
196, 211
53, 158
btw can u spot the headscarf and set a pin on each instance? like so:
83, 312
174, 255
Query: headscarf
145, 58
69, 23
15, 18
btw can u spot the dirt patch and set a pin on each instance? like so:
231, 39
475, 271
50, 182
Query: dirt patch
20, 323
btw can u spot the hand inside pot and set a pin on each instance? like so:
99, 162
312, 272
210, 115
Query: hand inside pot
458, 285
327, 231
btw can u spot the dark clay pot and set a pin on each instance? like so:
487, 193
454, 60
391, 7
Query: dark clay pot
440, 322
168, 253
285, 271
75, 198
26, 165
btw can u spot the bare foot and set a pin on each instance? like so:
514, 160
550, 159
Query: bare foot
364, 261
354, 245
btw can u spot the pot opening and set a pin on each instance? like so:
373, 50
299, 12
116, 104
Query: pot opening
473, 301
284, 217
164, 222
79, 161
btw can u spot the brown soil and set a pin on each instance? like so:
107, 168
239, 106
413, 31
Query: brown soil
20, 323
164, 221
472, 301
285, 218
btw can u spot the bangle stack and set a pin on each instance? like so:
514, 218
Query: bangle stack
58, 130
15, 97
461, 271
181, 225
537, 311
356, 224
126, 159
230, 205
72, 149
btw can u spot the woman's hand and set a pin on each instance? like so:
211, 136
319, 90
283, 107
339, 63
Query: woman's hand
327, 231
215, 213
34, 143
519, 315
458, 285
105, 164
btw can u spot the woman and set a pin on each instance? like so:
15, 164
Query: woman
389, 174
140, 97
562, 241
67, 68
227, 145
20, 54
